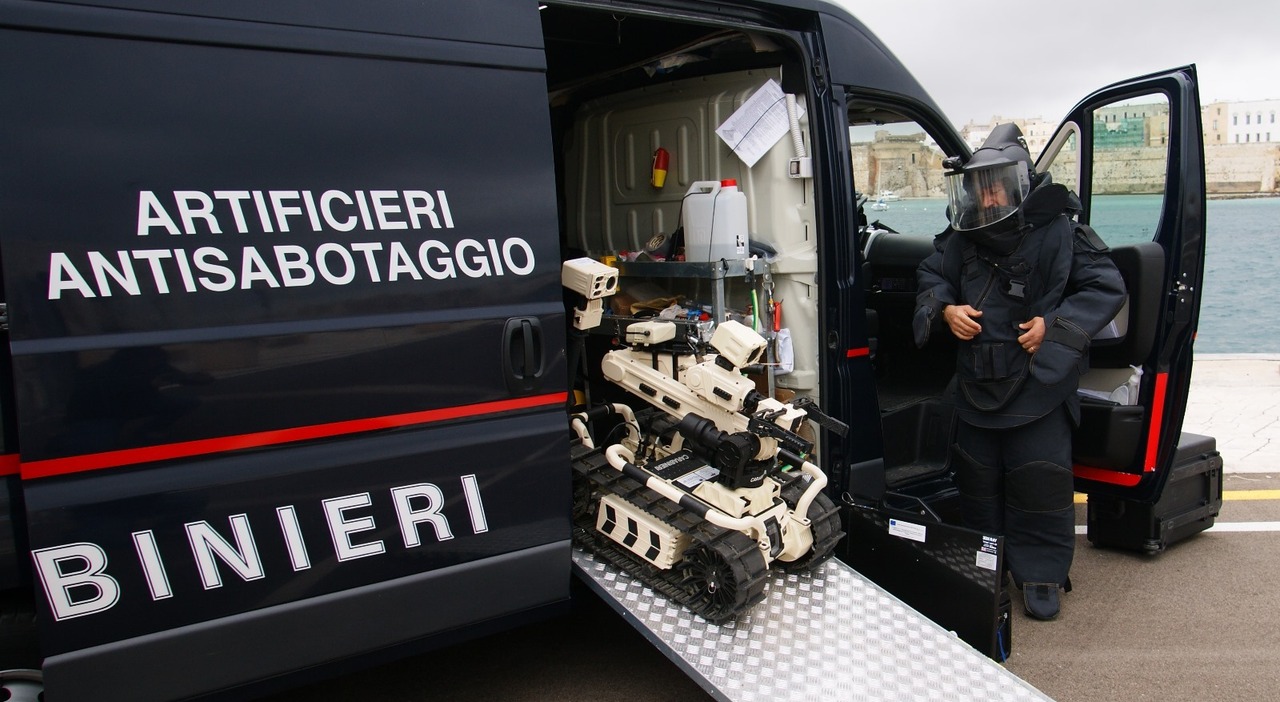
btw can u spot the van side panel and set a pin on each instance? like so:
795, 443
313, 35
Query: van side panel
297, 521
286, 324
273, 211
505, 24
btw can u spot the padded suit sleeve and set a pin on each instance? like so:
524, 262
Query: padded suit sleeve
933, 290
1094, 294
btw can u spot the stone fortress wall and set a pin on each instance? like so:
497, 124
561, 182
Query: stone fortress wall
1242, 151
909, 167
1242, 169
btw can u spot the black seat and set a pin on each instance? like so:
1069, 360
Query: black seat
1110, 435
1142, 267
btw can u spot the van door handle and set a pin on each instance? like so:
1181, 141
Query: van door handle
523, 359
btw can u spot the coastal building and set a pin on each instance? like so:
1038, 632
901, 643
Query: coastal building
1252, 122
1241, 147
1241, 139
1036, 130
1120, 126
1242, 150
1214, 118
905, 165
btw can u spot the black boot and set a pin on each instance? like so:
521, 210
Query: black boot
1041, 600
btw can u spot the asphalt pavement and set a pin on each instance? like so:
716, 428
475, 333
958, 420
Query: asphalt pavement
1198, 621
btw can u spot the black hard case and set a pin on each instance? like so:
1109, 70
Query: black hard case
1191, 500
938, 575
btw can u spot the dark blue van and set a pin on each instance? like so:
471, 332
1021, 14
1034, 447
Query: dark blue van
287, 362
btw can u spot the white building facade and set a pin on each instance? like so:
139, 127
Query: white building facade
1035, 130
1253, 122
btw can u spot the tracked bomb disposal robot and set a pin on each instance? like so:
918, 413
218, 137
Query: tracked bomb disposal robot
706, 485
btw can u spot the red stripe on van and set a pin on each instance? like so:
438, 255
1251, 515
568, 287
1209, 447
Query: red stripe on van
1153, 444
187, 449
858, 352
10, 464
1107, 476
1157, 421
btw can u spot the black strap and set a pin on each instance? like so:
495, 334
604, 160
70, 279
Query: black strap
1067, 334
1090, 237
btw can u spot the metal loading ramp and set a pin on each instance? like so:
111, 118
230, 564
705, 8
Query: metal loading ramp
830, 635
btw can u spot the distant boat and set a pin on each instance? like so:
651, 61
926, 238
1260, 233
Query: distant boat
888, 196
880, 204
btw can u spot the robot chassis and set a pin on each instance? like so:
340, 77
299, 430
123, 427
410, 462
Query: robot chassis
708, 486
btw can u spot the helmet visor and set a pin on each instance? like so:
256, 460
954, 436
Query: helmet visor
986, 195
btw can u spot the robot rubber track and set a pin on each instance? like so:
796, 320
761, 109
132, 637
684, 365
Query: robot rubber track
723, 572
717, 579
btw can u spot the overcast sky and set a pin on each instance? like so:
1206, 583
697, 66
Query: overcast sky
980, 58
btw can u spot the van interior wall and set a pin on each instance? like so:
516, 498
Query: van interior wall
657, 83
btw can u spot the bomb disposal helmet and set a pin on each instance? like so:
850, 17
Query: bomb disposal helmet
990, 187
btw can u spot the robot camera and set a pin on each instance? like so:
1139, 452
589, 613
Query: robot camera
650, 333
738, 343
589, 278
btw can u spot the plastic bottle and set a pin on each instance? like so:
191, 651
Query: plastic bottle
714, 216
1127, 394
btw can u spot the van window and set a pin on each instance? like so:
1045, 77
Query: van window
1131, 161
1129, 169
1065, 170
898, 173
898, 176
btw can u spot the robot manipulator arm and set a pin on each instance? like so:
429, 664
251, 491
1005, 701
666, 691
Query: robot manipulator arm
716, 390
714, 408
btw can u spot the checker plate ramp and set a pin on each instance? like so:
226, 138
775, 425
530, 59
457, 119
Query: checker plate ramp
829, 635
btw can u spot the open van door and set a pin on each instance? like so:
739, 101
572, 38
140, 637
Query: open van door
1134, 153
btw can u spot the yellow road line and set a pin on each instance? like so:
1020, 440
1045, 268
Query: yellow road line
1251, 494
1227, 495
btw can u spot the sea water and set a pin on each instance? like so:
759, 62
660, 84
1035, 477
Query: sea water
1240, 302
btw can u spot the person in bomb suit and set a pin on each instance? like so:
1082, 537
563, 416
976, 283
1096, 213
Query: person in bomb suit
1024, 288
